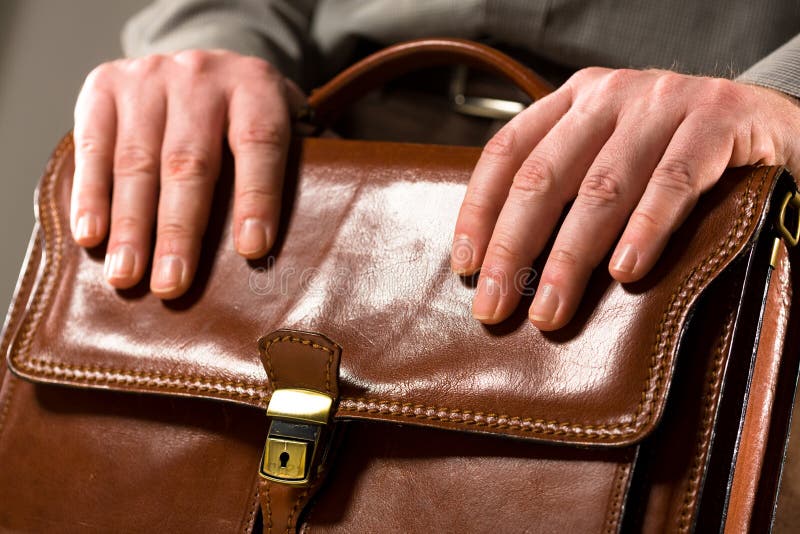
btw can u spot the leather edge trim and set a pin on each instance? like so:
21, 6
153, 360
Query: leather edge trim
710, 397
250, 518
622, 478
22, 294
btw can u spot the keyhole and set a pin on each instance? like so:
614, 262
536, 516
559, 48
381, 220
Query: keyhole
284, 458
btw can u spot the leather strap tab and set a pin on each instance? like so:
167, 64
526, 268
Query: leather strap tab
305, 360
295, 359
281, 505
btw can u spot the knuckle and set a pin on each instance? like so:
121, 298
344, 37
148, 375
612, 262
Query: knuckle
722, 94
133, 160
187, 164
644, 221
502, 144
174, 232
601, 187
535, 178
257, 196
666, 86
126, 226
146, 65
259, 137
256, 66
503, 251
763, 151
563, 258
676, 176
617, 80
91, 146
100, 77
194, 61
586, 74
475, 205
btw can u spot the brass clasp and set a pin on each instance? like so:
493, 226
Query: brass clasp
791, 199
299, 418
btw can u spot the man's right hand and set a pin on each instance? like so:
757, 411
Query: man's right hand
154, 128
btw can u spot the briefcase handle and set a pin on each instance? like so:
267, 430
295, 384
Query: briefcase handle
327, 103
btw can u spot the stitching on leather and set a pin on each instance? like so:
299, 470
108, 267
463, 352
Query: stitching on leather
255, 504
711, 394
668, 325
288, 338
17, 307
480, 419
269, 506
289, 524
12, 384
24, 285
613, 513
306, 527
652, 387
96, 374
53, 252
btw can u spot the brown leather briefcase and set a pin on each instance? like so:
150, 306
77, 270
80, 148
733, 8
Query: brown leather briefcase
663, 406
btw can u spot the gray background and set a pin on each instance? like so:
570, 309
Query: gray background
46, 49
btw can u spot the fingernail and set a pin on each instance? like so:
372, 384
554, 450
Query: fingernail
487, 299
462, 254
120, 263
625, 259
252, 237
169, 273
545, 304
87, 227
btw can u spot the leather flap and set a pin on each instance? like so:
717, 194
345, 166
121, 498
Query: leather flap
363, 259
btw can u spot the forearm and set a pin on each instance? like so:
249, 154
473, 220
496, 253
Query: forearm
276, 30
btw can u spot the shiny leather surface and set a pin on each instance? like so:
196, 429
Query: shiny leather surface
80, 461
401, 479
364, 260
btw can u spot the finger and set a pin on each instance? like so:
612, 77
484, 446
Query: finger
696, 157
607, 195
94, 134
142, 113
545, 182
259, 134
493, 174
190, 162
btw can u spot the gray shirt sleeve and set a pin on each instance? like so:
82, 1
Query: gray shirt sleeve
277, 30
780, 70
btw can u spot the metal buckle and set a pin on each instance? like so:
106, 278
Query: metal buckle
791, 199
477, 106
299, 418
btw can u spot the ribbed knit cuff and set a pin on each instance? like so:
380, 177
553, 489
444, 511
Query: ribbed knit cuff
780, 70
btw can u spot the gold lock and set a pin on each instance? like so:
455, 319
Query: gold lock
299, 418
286, 459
